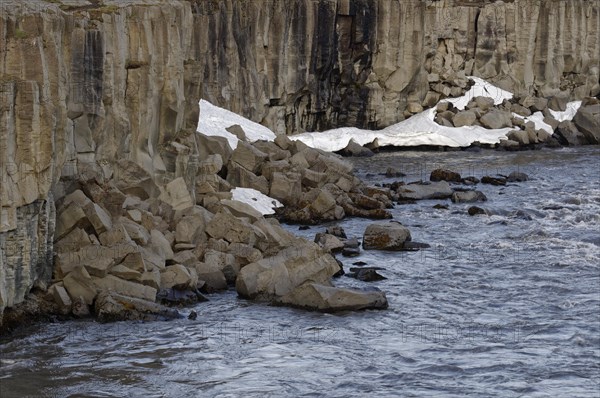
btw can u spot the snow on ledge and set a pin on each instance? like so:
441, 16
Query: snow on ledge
214, 121
259, 201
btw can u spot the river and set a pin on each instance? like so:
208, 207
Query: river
504, 305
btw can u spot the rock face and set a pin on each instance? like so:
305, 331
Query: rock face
315, 65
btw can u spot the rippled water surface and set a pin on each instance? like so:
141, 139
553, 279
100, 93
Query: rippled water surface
503, 305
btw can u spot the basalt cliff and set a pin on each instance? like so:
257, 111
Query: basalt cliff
106, 89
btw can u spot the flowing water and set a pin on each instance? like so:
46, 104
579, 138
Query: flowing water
503, 305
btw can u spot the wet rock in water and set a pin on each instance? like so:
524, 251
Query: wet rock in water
313, 296
392, 172
359, 263
385, 236
441, 207
303, 227
493, 180
425, 190
111, 307
517, 176
193, 315
355, 149
474, 210
365, 274
173, 296
444, 175
336, 231
468, 197
470, 180
351, 252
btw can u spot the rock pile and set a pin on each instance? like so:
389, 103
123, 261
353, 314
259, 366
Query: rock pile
481, 111
314, 185
126, 247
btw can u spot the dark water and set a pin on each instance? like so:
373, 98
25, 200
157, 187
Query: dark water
506, 305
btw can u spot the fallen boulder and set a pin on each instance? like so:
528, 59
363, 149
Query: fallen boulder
385, 236
317, 297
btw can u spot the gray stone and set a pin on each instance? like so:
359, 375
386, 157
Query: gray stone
385, 236
318, 297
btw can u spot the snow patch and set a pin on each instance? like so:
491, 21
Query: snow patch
259, 201
214, 121
420, 129
569, 114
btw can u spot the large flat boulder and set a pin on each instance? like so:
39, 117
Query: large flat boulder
111, 307
317, 297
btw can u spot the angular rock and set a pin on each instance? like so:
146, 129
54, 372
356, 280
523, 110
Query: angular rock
282, 273
559, 102
232, 229
211, 145
241, 209
178, 277
286, 188
78, 283
177, 195
568, 134
69, 219
496, 119
317, 297
587, 121
61, 297
385, 236
239, 176
356, 150
111, 283
212, 276
464, 118
224, 262
248, 157
329, 242
212, 164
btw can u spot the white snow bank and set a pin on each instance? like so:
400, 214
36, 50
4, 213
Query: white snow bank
569, 114
260, 202
214, 121
481, 88
420, 129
